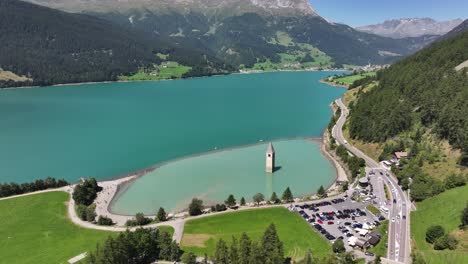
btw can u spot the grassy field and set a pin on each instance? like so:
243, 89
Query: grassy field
348, 80
293, 59
167, 70
445, 210
36, 229
381, 249
200, 235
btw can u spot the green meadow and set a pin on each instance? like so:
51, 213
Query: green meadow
444, 209
200, 235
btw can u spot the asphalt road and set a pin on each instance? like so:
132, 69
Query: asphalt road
398, 242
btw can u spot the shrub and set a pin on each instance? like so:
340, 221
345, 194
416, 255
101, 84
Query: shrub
90, 213
446, 241
104, 221
434, 232
81, 211
139, 220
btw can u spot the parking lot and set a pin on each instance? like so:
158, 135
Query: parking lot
344, 217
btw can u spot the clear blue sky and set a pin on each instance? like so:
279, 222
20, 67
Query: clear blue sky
364, 12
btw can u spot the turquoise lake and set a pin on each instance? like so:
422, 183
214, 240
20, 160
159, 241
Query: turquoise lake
240, 171
112, 129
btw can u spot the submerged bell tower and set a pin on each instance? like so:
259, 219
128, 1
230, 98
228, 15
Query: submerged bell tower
270, 159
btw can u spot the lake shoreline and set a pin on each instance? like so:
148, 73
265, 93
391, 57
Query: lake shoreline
334, 84
162, 80
121, 188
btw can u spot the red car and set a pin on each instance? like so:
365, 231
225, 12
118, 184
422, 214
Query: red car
320, 221
330, 222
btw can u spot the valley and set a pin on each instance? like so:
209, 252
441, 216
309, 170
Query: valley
233, 131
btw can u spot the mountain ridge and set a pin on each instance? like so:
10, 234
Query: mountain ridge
215, 8
411, 27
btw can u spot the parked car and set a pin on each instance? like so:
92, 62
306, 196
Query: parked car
369, 254
330, 222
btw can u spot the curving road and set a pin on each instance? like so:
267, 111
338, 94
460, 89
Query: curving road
399, 215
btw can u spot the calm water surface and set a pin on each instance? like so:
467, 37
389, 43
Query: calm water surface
107, 130
212, 177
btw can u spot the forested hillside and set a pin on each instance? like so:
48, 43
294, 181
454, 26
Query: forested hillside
419, 105
247, 32
51, 47
423, 88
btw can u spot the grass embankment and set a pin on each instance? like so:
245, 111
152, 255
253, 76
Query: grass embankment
381, 248
167, 70
444, 209
35, 229
373, 209
200, 235
350, 79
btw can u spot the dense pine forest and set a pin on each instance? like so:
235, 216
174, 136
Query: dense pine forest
422, 89
51, 47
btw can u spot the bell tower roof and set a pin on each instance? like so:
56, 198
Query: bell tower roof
270, 149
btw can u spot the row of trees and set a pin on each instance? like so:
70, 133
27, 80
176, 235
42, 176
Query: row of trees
140, 247
9, 189
268, 250
196, 205
354, 163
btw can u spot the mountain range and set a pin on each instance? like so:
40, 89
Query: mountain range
209, 36
411, 27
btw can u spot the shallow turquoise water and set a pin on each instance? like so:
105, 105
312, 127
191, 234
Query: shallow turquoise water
241, 171
108, 130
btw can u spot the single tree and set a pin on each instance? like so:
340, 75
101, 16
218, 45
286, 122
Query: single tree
221, 255
196, 207
242, 201
338, 246
434, 232
161, 215
245, 245
287, 196
258, 198
234, 252
321, 191
274, 198
175, 251
272, 247
256, 255
231, 201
